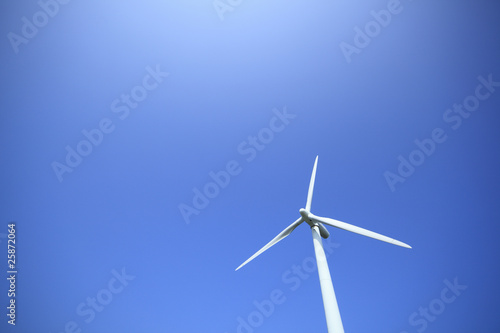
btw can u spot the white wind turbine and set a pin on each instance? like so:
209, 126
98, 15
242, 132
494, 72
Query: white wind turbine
333, 320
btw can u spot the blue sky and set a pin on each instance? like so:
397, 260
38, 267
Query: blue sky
115, 115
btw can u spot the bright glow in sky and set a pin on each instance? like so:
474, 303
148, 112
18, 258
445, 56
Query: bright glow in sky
149, 148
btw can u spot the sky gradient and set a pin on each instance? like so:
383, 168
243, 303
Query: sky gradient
149, 148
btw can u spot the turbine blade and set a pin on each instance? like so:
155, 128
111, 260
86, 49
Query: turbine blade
358, 230
275, 240
311, 186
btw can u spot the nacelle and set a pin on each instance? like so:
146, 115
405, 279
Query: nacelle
322, 231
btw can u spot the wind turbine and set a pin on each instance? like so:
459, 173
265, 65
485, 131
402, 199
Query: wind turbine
333, 320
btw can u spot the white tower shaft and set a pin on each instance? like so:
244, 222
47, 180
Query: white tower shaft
332, 313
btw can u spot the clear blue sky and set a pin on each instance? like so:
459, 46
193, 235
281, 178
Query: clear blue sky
114, 115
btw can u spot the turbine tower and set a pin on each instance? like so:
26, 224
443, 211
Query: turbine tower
332, 313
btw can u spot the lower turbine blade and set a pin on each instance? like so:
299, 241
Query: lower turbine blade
358, 230
275, 240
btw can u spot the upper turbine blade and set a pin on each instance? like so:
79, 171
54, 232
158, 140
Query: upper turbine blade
275, 240
311, 186
358, 230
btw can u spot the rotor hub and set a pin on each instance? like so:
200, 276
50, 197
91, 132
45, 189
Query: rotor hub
305, 215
